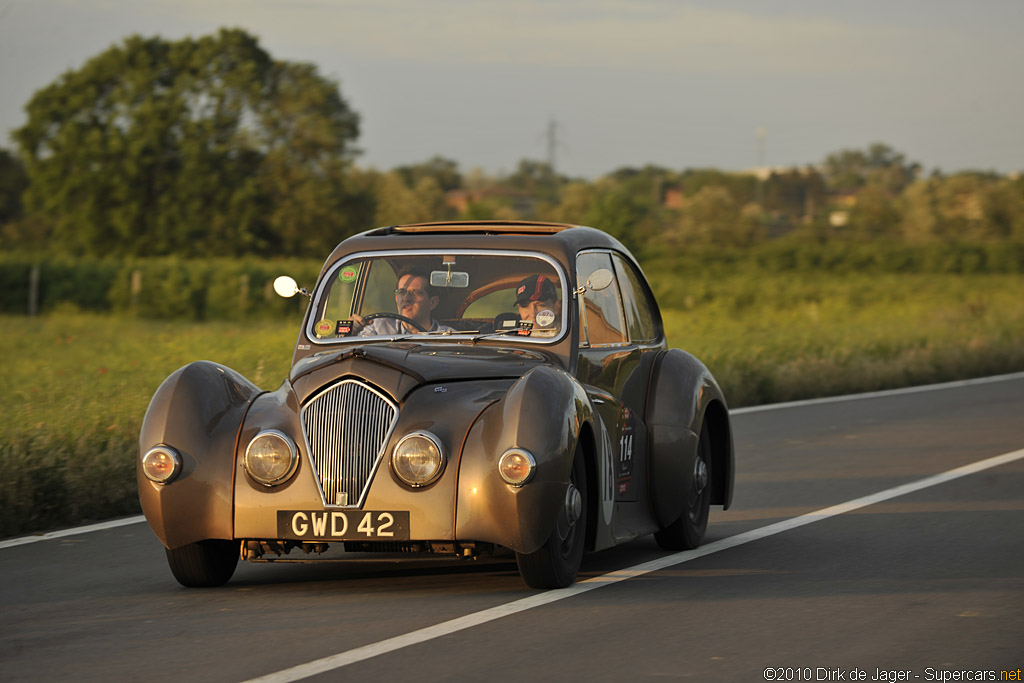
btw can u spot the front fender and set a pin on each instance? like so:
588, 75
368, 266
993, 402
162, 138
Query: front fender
541, 413
198, 411
682, 393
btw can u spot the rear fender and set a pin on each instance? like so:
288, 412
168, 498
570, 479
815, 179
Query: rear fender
198, 411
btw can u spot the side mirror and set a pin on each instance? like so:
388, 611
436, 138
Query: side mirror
600, 279
287, 287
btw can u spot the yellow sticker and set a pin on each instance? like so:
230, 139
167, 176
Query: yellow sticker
324, 328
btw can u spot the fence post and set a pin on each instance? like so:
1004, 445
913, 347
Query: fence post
136, 289
33, 290
243, 294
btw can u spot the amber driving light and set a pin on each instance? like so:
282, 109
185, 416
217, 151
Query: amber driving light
161, 464
418, 459
271, 457
516, 466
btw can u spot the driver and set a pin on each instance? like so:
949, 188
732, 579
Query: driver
537, 301
415, 299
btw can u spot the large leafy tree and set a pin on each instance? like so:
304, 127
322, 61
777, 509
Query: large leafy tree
198, 146
12, 184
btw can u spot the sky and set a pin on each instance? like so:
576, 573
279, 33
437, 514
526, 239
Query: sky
729, 84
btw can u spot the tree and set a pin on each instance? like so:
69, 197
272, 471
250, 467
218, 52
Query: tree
12, 183
445, 173
13, 230
875, 213
919, 223
195, 146
397, 203
1002, 205
795, 194
879, 165
537, 179
712, 216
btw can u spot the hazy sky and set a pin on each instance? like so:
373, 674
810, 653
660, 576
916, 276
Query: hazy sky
629, 82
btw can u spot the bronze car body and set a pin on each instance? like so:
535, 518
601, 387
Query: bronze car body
615, 436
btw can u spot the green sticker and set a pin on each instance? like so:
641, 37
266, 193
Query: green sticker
349, 273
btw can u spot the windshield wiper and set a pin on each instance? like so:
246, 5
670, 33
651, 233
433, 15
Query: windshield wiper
498, 333
431, 333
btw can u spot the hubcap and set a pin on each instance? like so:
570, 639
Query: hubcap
700, 475
565, 525
573, 504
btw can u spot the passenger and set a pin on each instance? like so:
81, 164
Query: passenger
537, 301
415, 299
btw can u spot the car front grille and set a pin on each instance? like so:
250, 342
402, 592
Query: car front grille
347, 427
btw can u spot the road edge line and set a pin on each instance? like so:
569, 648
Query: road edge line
101, 526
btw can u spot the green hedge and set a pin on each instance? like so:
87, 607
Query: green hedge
155, 288
237, 289
839, 256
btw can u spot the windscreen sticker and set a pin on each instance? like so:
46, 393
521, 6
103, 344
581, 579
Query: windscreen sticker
344, 328
545, 318
324, 328
349, 273
524, 328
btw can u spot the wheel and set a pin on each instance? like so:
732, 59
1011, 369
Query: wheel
396, 316
554, 564
687, 531
203, 564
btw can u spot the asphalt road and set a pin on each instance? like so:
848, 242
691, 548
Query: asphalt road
930, 582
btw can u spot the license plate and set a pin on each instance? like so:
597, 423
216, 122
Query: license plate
343, 525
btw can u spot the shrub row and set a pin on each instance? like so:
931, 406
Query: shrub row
838, 256
223, 289
153, 288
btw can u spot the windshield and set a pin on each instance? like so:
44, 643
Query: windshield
438, 295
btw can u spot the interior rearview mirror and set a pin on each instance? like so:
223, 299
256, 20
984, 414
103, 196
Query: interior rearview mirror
448, 278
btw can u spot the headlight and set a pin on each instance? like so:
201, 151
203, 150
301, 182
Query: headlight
418, 459
271, 457
516, 466
161, 464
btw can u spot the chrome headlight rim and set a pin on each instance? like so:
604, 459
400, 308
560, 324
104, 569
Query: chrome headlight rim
514, 452
442, 459
293, 455
165, 450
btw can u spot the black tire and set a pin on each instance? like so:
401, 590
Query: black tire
554, 564
204, 564
688, 530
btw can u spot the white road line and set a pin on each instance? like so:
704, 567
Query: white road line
359, 654
110, 524
735, 411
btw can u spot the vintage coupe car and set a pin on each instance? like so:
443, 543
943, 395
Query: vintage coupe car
529, 403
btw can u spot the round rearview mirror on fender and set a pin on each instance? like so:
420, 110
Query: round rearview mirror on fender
286, 286
599, 279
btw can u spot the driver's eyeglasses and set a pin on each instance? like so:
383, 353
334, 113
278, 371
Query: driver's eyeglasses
417, 294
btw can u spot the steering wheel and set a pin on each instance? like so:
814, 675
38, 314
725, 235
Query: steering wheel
396, 316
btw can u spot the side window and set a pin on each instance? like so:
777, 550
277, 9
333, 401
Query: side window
636, 301
602, 309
